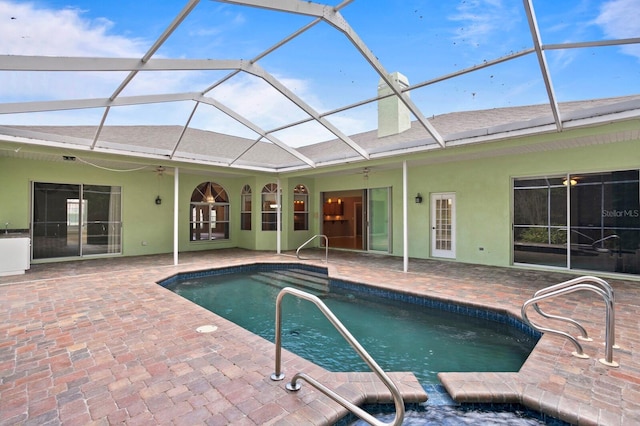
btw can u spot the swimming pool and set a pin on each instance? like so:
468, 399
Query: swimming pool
401, 332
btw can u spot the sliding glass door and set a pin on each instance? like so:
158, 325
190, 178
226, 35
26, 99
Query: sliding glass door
358, 219
73, 220
579, 221
379, 219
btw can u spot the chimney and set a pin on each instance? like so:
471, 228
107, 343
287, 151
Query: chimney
393, 115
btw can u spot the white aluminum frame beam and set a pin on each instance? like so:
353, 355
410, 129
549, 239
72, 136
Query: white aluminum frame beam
69, 63
332, 16
247, 123
257, 71
163, 37
73, 63
319, 13
68, 104
542, 61
184, 130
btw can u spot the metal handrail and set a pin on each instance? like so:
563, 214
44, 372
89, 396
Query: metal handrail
594, 280
294, 385
594, 242
326, 247
571, 286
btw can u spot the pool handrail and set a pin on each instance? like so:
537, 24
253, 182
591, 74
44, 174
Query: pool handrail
587, 278
326, 247
571, 286
294, 385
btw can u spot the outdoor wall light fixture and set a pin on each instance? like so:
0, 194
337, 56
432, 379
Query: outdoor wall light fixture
418, 199
158, 200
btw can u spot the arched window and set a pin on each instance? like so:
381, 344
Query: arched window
245, 209
209, 219
300, 208
270, 202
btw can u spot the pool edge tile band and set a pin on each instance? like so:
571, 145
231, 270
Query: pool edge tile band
468, 310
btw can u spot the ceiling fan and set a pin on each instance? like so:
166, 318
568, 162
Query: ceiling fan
365, 172
160, 171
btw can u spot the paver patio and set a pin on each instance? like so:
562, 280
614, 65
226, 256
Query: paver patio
98, 342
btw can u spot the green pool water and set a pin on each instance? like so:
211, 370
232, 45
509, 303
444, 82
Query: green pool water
400, 336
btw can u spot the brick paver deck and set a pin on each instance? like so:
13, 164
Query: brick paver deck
98, 342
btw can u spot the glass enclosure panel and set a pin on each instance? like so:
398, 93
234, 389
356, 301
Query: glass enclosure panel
379, 219
539, 221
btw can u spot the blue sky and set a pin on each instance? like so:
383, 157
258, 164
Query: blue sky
423, 39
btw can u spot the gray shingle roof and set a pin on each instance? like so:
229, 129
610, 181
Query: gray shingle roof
208, 147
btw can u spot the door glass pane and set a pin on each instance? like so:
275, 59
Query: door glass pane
379, 219
102, 224
56, 226
443, 224
605, 222
343, 218
539, 221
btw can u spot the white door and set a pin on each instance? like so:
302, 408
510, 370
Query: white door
443, 225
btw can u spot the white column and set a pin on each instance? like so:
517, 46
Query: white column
278, 213
405, 215
176, 187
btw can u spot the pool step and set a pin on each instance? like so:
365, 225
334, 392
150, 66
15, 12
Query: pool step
315, 283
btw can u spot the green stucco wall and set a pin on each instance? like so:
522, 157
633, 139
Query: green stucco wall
147, 227
482, 185
480, 176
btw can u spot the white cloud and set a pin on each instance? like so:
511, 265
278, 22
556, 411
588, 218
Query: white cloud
232, 20
617, 20
30, 30
256, 100
479, 20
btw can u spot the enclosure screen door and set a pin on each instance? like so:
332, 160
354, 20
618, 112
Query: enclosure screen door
443, 225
